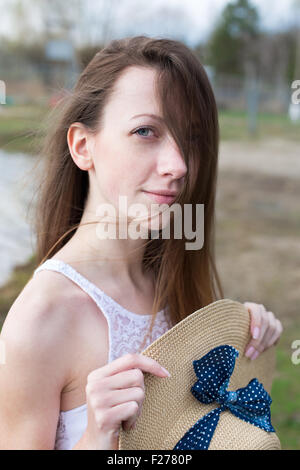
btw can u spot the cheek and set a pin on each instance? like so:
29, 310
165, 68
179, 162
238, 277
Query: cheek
119, 171
116, 180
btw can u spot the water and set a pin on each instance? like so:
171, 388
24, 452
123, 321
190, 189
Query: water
17, 241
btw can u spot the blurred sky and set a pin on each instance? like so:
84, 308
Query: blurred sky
191, 20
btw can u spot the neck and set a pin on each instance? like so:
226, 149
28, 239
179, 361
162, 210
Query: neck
121, 259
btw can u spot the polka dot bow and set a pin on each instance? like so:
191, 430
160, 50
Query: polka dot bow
251, 403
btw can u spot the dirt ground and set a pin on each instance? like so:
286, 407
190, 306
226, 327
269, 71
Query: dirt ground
272, 157
258, 225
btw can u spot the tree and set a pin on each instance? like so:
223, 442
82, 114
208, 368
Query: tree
231, 47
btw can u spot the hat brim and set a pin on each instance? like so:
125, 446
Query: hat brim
169, 408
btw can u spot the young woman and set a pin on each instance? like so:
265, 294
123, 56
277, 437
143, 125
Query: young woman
141, 123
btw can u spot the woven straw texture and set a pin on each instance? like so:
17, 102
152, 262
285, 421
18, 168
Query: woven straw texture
170, 409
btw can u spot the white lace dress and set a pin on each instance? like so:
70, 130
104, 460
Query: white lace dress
126, 334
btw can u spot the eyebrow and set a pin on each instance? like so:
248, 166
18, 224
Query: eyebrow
154, 116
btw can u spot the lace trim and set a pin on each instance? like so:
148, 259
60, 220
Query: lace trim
60, 431
88, 286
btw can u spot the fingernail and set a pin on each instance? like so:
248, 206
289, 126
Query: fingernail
166, 372
256, 332
255, 355
133, 426
249, 351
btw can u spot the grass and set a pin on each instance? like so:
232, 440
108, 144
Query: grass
285, 408
12, 288
20, 126
234, 125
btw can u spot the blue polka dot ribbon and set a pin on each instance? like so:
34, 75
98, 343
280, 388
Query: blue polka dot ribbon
250, 403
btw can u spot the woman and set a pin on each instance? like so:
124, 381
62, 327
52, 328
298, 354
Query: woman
142, 120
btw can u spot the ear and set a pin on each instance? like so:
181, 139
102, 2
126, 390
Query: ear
78, 138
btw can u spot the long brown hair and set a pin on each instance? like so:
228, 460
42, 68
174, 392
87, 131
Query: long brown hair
186, 280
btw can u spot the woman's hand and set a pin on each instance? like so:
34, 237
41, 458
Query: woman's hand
264, 327
115, 395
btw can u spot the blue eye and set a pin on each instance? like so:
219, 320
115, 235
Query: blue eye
142, 129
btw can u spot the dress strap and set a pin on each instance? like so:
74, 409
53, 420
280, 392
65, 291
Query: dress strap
71, 273
87, 286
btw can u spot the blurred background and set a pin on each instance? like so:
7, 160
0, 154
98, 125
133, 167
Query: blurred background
251, 52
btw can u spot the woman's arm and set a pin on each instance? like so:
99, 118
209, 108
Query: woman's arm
33, 375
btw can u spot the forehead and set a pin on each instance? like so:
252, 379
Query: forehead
134, 93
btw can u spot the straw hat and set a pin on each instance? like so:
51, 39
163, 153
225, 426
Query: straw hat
220, 332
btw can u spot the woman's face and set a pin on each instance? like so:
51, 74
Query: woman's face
134, 153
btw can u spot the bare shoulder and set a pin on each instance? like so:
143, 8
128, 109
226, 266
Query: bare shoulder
42, 301
52, 316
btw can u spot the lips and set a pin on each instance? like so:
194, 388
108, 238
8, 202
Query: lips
161, 197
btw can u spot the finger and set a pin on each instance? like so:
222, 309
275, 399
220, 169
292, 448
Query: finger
255, 311
130, 409
122, 413
270, 331
273, 340
129, 361
118, 396
280, 329
258, 326
126, 379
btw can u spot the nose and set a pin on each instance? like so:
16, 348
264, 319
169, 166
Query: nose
170, 161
